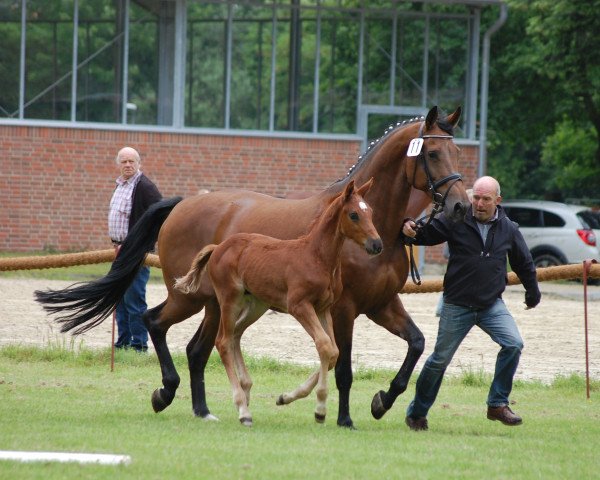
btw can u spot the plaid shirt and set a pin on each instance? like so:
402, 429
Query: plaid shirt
120, 207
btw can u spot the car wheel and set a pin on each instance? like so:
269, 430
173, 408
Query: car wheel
546, 260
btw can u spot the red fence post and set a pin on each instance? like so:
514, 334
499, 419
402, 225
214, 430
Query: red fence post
586, 268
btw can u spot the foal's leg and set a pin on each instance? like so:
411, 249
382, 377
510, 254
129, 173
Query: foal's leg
397, 321
256, 309
231, 309
305, 314
158, 320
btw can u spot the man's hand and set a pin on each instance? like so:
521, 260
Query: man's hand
532, 298
408, 229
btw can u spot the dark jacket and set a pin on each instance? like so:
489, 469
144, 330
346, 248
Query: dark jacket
477, 274
145, 193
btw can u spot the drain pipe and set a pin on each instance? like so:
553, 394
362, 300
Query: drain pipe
485, 72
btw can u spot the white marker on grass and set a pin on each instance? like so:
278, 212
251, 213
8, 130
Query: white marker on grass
100, 458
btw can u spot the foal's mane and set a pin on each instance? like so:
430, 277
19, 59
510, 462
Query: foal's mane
327, 213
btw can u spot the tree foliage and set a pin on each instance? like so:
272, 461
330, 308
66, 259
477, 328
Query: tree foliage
545, 100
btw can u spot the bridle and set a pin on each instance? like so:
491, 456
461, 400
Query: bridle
438, 199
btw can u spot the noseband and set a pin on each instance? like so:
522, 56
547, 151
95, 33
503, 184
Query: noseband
439, 200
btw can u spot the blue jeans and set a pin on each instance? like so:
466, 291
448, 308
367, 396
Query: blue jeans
132, 331
455, 323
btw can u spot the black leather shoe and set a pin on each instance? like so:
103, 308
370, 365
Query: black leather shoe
417, 423
505, 415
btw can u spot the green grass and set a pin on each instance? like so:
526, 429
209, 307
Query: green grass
64, 398
79, 273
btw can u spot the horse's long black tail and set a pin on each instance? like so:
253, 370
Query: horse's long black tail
90, 303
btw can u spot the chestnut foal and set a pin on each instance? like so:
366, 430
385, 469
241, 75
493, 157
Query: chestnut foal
251, 273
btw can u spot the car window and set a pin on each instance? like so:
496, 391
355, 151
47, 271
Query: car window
525, 217
553, 220
589, 219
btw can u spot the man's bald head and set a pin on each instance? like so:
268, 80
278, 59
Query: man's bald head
486, 195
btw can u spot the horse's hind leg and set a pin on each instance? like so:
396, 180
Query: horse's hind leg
198, 352
158, 320
395, 319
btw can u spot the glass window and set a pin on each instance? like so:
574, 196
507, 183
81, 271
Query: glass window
287, 65
590, 219
143, 71
48, 59
525, 217
10, 32
99, 81
553, 220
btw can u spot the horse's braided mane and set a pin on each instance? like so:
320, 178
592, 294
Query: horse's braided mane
442, 123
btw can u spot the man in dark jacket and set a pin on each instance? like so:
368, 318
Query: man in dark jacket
475, 279
133, 195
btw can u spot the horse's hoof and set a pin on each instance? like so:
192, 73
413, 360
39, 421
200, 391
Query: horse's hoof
377, 408
319, 417
246, 421
158, 403
210, 418
346, 422
280, 400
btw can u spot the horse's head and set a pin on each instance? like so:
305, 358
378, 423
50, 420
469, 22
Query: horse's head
432, 162
356, 221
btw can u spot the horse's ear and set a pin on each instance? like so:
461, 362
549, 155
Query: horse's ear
453, 118
362, 191
348, 190
432, 117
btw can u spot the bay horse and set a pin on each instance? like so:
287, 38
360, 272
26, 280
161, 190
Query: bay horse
370, 287
252, 273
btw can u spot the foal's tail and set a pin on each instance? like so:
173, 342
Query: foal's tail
190, 282
90, 303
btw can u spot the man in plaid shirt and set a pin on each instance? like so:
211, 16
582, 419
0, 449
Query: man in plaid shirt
133, 195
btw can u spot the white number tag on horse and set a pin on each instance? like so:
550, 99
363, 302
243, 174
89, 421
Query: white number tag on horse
414, 148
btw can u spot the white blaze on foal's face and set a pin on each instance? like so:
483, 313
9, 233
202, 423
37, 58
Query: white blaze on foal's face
363, 206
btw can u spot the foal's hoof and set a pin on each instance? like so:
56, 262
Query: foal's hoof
246, 421
210, 418
280, 400
158, 402
377, 408
319, 417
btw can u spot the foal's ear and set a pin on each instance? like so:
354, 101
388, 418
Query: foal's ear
432, 117
349, 190
453, 118
362, 191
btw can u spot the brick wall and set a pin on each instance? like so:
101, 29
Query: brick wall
56, 182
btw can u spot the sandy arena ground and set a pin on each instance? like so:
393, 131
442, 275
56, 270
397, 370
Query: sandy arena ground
553, 332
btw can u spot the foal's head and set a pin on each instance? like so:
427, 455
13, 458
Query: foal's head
356, 221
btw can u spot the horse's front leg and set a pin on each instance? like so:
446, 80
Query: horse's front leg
343, 324
198, 352
396, 320
158, 320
